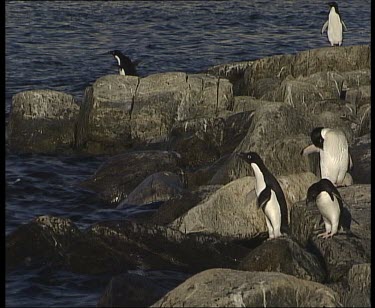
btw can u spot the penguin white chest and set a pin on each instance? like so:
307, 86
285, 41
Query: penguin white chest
260, 184
334, 28
329, 209
272, 211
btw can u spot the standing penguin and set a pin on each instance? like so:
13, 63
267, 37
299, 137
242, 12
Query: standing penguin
332, 146
270, 196
334, 24
330, 205
125, 65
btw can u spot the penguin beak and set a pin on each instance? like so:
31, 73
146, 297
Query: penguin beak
309, 202
241, 155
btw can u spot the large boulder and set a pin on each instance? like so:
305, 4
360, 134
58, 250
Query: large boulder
285, 256
231, 288
42, 121
232, 210
45, 237
121, 174
104, 118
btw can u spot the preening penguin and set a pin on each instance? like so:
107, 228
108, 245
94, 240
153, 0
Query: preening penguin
332, 146
125, 65
334, 24
330, 205
270, 196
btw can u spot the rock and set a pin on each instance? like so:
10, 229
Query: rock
359, 95
285, 256
130, 290
133, 290
232, 210
162, 99
42, 121
247, 103
364, 120
359, 280
361, 156
159, 247
121, 174
160, 186
104, 118
203, 141
278, 133
264, 89
306, 63
234, 72
179, 205
44, 237
231, 288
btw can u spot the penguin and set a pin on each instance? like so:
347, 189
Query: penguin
125, 65
335, 160
270, 196
330, 205
334, 24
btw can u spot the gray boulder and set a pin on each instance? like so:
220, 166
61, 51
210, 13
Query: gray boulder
121, 174
42, 121
160, 186
247, 103
232, 210
104, 119
285, 256
220, 287
359, 280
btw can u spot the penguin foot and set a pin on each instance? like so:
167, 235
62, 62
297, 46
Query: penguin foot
326, 235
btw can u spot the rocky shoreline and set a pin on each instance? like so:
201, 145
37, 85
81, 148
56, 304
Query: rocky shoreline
171, 138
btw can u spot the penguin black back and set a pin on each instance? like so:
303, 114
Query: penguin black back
271, 183
125, 63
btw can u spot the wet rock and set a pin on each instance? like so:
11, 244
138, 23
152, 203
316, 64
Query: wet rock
285, 256
361, 156
177, 206
232, 288
104, 119
45, 237
135, 290
232, 210
42, 121
121, 174
159, 247
160, 186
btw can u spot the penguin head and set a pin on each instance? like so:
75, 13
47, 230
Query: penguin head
115, 53
334, 5
316, 137
250, 157
323, 185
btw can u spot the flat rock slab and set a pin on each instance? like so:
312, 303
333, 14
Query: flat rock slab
220, 287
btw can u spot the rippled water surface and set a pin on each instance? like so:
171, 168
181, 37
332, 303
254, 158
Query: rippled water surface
63, 45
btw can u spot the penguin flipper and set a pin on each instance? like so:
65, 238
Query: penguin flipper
350, 162
309, 150
264, 197
324, 27
343, 24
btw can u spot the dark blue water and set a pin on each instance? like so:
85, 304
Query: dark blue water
63, 45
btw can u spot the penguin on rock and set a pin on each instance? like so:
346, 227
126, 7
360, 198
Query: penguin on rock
334, 25
270, 196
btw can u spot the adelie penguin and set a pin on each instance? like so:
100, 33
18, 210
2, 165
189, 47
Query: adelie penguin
334, 24
330, 205
125, 65
333, 149
270, 196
